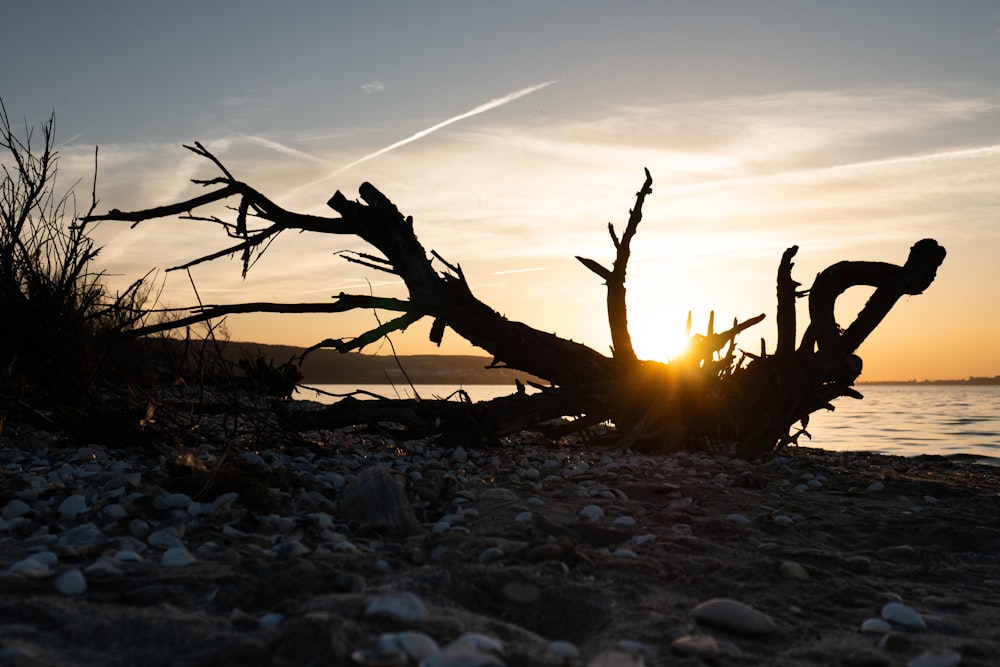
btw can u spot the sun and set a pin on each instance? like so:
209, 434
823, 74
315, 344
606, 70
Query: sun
654, 339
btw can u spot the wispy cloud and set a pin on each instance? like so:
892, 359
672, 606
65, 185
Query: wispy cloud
373, 87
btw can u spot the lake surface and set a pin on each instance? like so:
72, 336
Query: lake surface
906, 420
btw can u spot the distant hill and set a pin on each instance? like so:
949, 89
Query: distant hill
332, 367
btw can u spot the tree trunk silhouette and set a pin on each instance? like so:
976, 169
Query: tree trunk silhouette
713, 396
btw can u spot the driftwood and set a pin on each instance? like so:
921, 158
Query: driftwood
712, 396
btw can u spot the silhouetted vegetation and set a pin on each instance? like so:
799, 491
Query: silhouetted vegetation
61, 337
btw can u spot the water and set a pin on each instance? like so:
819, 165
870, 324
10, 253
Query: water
907, 420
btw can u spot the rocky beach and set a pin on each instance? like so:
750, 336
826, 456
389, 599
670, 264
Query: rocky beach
340, 548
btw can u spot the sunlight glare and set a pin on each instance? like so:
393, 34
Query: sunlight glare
655, 340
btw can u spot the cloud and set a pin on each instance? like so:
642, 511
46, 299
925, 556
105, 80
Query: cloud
373, 87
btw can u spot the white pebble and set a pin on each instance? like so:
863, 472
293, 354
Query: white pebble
30, 568
71, 582
625, 553
127, 556
177, 557
592, 513
403, 607
481, 642
876, 625
564, 650
900, 614
734, 616
165, 538
623, 522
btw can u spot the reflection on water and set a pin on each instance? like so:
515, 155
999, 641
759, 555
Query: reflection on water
907, 420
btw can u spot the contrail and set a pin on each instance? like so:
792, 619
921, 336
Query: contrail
482, 108
281, 148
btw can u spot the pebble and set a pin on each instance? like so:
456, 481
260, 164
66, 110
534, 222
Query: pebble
402, 607
30, 568
738, 518
944, 658
177, 557
71, 582
592, 513
416, 645
623, 522
564, 649
698, 646
71, 506
462, 655
902, 615
789, 569
875, 487
735, 616
876, 625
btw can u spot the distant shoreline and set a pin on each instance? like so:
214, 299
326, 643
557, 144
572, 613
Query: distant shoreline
331, 367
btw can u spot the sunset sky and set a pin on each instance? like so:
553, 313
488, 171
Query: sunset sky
513, 132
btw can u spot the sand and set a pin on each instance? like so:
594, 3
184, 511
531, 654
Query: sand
817, 558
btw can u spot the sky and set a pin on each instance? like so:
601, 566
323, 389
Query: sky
514, 132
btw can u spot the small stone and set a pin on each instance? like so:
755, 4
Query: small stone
416, 645
624, 553
14, 509
403, 607
461, 655
565, 650
30, 568
127, 556
735, 616
104, 566
71, 582
623, 522
270, 620
524, 517
789, 569
72, 506
481, 642
592, 513
738, 518
875, 487
698, 646
491, 555
944, 658
900, 614
876, 625
177, 557
114, 511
